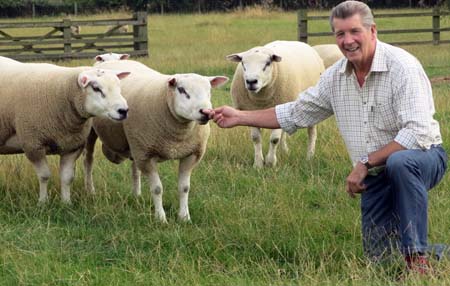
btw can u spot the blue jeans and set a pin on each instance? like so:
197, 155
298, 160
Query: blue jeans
394, 205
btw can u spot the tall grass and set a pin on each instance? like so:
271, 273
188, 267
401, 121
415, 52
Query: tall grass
289, 225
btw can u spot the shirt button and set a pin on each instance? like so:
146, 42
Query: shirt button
365, 122
364, 103
367, 142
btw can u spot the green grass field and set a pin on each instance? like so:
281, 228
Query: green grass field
289, 225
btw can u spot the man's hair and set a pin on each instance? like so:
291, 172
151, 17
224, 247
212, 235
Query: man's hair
348, 9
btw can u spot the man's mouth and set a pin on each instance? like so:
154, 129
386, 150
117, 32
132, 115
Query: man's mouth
352, 49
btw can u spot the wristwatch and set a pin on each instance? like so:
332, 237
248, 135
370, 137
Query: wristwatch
365, 161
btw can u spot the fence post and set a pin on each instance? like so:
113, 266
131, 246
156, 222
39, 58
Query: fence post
302, 24
436, 26
67, 36
140, 32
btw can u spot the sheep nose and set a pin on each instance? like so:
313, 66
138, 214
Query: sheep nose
251, 81
123, 112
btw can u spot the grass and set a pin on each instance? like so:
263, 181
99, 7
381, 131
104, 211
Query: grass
290, 225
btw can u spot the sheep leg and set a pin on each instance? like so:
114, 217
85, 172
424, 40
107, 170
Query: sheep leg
312, 137
39, 161
275, 136
136, 175
150, 170
184, 184
256, 138
283, 142
67, 173
89, 162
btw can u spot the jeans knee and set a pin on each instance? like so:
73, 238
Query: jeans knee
399, 164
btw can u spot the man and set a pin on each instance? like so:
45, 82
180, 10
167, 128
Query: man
382, 101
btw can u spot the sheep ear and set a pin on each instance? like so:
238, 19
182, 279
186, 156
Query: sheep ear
98, 58
234, 58
217, 81
275, 58
124, 56
122, 74
84, 79
172, 82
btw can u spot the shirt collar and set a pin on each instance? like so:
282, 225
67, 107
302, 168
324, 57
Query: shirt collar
378, 63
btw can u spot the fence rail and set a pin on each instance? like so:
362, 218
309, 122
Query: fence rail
60, 39
303, 21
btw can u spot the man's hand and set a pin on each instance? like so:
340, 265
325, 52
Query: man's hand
224, 116
354, 182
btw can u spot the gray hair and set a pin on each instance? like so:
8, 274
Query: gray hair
348, 9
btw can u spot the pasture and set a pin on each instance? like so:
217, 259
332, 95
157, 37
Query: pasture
290, 225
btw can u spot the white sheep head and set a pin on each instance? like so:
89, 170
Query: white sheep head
257, 67
102, 93
111, 57
192, 93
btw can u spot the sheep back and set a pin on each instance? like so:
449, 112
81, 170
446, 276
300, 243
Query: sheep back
40, 104
151, 130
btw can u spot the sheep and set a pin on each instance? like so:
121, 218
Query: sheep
330, 53
75, 30
118, 29
110, 57
273, 74
165, 122
46, 109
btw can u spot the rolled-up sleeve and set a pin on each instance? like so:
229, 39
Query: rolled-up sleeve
415, 109
311, 107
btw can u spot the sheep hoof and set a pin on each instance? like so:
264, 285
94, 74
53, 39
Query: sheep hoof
184, 217
258, 164
271, 162
161, 217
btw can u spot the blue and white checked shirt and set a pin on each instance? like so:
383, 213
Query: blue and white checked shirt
395, 103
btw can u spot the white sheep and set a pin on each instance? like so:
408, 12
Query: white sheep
75, 30
269, 75
45, 109
110, 57
330, 53
121, 29
165, 122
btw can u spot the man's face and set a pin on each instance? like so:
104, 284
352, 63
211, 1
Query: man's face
356, 42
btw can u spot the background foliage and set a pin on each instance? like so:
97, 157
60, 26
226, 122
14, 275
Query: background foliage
13, 8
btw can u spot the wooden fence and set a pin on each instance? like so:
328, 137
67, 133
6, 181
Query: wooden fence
60, 40
436, 29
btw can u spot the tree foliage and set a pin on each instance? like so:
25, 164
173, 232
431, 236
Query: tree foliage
12, 8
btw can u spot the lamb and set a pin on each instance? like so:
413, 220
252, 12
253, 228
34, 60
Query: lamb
46, 109
269, 75
165, 122
330, 53
110, 57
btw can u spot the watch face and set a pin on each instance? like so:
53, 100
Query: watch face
364, 159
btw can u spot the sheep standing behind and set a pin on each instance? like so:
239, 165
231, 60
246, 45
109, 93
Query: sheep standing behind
45, 109
110, 57
273, 74
165, 122
330, 53
76, 29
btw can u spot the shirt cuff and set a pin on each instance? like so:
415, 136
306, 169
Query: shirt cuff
284, 117
407, 139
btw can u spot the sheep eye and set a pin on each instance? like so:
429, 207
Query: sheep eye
97, 89
243, 67
267, 64
181, 90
